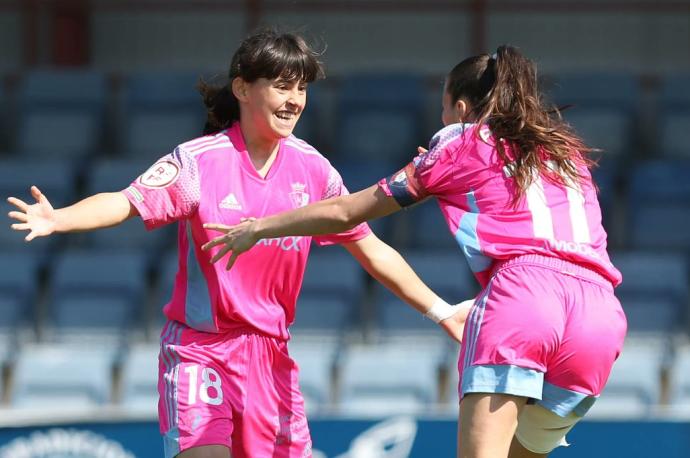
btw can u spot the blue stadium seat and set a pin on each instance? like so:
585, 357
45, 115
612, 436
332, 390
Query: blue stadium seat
13, 313
19, 274
73, 315
56, 179
391, 378
380, 117
331, 292
61, 113
427, 228
674, 116
96, 292
680, 381
445, 272
5, 124
63, 377
606, 176
108, 175
358, 175
659, 204
675, 123
675, 90
654, 292
19, 282
140, 379
161, 110
604, 111
605, 128
333, 270
658, 227
315, 358
395, 317
596, 89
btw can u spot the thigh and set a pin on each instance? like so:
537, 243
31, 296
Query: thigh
274, 420
487, 424
199, 392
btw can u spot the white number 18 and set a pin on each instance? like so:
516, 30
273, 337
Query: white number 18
210, 379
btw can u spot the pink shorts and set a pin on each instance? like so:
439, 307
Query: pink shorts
238, 389
543, 328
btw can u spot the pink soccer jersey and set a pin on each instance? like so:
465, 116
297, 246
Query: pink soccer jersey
212, 179
475, 190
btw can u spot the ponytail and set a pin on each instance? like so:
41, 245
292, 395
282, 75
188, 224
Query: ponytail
502, 91
222, 108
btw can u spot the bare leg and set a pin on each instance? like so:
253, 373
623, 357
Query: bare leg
206, 451
487, 424
518, 451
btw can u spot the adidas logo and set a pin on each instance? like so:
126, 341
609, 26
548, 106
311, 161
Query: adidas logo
230, 202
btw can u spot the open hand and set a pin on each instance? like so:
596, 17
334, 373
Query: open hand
39, 219
236, 239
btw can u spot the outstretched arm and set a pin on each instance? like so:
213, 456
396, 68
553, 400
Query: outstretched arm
390, 269
94, 212
328, 216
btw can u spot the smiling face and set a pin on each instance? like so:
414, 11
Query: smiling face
270, 108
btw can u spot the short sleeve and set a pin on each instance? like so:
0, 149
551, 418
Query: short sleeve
335, 188
167, 191
429, 173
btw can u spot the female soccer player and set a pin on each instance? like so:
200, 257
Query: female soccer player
227, 384
514, 186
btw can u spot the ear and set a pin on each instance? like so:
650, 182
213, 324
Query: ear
462, 109
239, 89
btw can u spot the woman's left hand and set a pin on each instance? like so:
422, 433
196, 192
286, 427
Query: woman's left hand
236, 239
455, 324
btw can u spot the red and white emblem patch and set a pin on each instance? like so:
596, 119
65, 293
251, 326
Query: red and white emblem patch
160, 175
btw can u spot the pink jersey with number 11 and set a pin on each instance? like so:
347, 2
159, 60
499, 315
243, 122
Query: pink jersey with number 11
212, 180
475, 190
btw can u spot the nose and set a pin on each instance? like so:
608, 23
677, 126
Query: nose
296, 99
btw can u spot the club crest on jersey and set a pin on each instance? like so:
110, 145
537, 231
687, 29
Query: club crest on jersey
400, 179
160, 175
298, 198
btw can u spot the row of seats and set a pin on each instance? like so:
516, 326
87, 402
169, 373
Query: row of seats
119, 295
410, 375
116, 295
642, 210
72, 114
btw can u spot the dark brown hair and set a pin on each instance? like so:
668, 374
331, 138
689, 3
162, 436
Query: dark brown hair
265, 54
502, 92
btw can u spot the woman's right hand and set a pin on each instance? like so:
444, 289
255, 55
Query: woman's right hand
39, 219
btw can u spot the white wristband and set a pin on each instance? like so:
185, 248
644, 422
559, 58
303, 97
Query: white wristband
440, 310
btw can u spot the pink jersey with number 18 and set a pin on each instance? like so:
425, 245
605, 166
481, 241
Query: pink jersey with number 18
211, 179
475, 189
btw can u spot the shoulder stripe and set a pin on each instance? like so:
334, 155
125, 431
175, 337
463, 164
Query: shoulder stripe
221, 145
194, 145
303, 147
